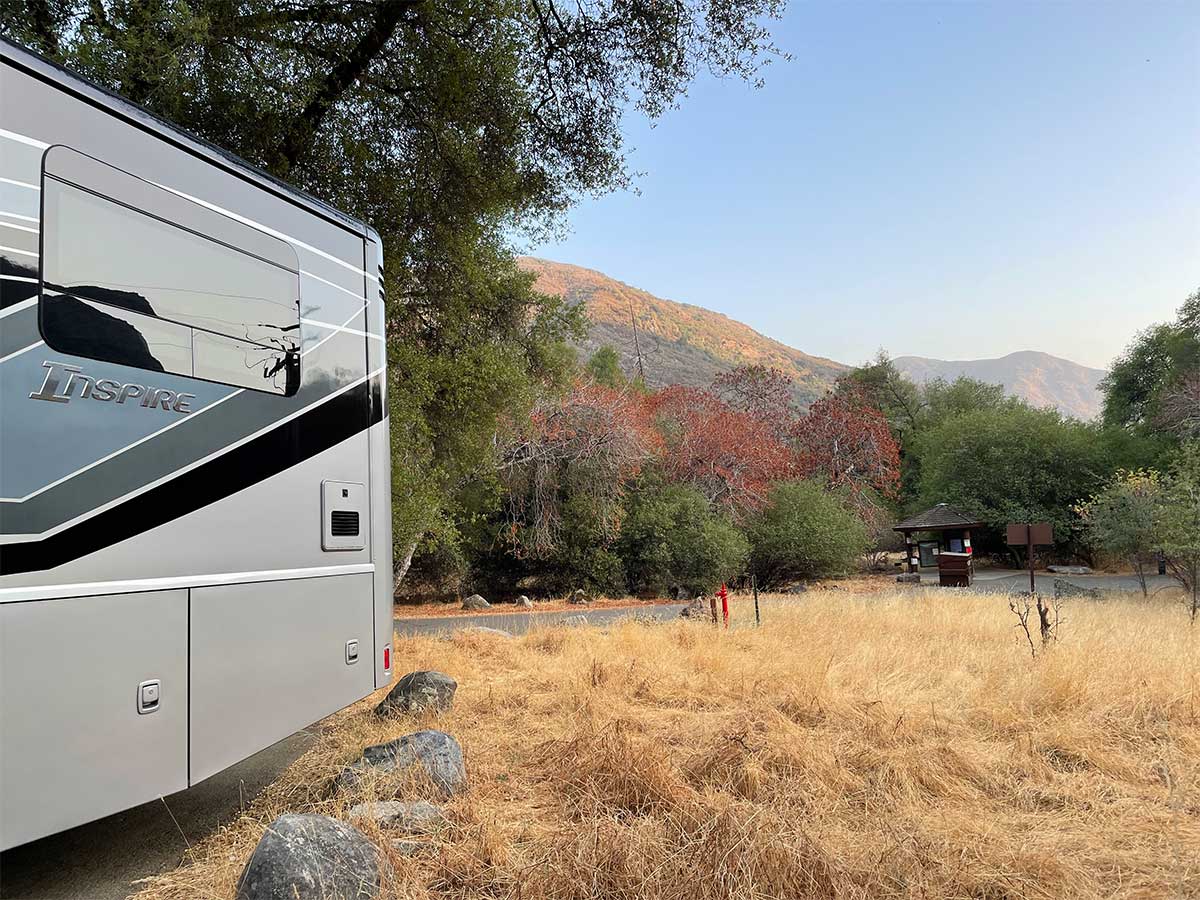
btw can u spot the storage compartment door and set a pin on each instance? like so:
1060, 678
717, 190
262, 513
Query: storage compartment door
75, 743
271, 658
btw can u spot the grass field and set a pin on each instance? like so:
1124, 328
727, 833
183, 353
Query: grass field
898, 745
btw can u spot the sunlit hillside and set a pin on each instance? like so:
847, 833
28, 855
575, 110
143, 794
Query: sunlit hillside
680, 343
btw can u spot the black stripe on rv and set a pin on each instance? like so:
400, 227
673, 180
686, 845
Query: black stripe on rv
316, 431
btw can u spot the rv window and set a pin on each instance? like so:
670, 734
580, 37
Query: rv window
162, 285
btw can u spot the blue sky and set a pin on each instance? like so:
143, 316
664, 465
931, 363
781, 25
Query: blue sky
951, 180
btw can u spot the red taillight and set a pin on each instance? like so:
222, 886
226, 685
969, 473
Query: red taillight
387, 657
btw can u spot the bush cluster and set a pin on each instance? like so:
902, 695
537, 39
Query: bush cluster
669, 537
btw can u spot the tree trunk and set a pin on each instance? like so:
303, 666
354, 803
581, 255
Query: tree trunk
1043, 609
401, 567
1195, 593
1139, 566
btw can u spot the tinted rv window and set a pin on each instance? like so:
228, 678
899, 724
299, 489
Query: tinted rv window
136, 275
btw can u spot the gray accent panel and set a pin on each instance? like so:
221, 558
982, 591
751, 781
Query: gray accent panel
202, 433
40, 441
19, 329
74, 746
269, 659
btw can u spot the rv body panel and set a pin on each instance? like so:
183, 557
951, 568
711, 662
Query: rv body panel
248, 693
74, 745
189, 351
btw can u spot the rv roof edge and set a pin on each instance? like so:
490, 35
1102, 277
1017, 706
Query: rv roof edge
44, 69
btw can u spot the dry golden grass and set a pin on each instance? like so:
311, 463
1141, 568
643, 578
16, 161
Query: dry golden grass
901, 745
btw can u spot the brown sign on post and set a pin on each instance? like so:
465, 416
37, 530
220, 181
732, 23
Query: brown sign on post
1039, 533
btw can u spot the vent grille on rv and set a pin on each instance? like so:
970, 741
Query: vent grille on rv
343, 523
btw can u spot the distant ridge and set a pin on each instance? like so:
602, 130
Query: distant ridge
685, 344
1038, 378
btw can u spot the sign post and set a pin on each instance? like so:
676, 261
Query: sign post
1029, 534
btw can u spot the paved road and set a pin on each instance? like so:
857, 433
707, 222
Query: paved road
520, 622
98, 861
1006, 581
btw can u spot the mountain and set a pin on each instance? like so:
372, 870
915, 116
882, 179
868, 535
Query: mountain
1038, 378
680, 343
685, 344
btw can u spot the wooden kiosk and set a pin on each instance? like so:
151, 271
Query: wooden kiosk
949, 548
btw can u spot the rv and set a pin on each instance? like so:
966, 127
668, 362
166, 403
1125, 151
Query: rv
195, 522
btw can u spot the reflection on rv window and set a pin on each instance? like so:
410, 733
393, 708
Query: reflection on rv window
126, 286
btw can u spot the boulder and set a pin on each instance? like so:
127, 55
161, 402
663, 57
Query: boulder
409, 816
475, 602
578, 597
435, 751
524, 602
417, 692
1069, 570
308, 857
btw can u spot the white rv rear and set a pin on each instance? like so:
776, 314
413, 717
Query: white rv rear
195, 523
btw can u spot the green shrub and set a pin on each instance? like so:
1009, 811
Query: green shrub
804, 532
672, 537
583, 556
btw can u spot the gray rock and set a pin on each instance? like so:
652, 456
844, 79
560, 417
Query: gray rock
575, 621
306, 857
475, 602
578, 597
909, 578
1066, 589
437, 752
419, 691
410, 816
1069, 570
524, 601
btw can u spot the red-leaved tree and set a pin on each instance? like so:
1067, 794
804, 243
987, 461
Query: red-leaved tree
725, 453
586, 444
848, 442
761, 391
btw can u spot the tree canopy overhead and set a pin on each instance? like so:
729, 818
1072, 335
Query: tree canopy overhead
507, 107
